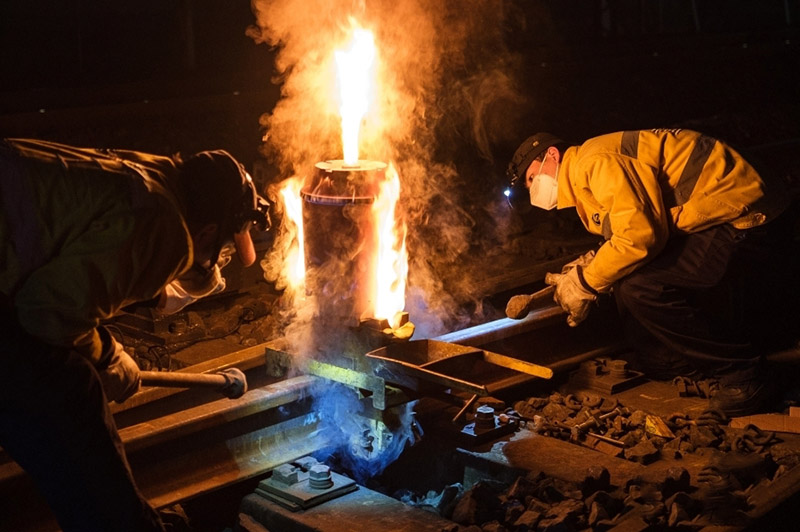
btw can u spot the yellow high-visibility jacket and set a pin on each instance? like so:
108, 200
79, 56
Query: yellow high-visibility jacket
84, 233
637, 188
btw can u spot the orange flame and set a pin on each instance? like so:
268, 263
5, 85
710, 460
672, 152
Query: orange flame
356, 79
391, 264
293, 204
356, 72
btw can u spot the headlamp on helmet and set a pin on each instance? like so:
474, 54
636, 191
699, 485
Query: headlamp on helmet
218, 191
532, 148
515, 193
252, 211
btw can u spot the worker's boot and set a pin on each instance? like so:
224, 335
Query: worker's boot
744, 392
660, 363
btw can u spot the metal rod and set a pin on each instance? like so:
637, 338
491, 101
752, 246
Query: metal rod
518, 365
174, 379
606, 439
467, 405
230, 382
503, 328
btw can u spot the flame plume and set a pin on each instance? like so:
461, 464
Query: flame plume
356, 72
356, 64
295, 269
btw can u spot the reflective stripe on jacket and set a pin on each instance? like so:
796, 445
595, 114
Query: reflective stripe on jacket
636, 188
85, 233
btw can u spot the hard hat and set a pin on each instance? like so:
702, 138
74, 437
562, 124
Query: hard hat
220, 191
528, 151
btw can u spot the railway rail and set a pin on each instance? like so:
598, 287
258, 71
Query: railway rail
187, 445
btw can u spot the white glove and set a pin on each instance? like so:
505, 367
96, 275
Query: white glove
189, 288
573, 296
120, 378
582, 261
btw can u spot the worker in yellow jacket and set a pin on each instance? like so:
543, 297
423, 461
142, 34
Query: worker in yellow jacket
681, 214
84, 233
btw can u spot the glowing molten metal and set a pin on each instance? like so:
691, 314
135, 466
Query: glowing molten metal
348, 208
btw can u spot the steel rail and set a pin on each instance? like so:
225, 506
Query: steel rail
196, 450
255, 438
501, 329
223, 442
192, 452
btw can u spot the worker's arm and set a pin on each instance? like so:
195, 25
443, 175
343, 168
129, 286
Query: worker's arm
629, 192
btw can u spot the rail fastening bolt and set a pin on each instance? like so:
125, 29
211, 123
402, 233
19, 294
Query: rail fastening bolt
319, 477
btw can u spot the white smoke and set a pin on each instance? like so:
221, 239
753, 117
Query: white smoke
443, 70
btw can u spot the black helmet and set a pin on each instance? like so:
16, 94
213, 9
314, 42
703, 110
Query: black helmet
528, 151
220, 191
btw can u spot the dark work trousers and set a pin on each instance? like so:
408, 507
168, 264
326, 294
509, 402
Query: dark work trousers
711, 301
56, 424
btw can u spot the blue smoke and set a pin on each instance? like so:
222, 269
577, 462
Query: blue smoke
361, 446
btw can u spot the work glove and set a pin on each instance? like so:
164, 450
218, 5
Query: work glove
582, 261
572, 294
120, 376
191, 286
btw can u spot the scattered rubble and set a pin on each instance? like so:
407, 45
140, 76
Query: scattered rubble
738, 460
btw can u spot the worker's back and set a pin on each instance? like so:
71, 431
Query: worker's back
85, 232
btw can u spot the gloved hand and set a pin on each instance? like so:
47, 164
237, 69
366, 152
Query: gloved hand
120, 378
572, 294
583, 260
192, 286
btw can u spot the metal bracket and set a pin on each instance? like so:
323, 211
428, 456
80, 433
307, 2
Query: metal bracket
350, 377
605, 375
304, 483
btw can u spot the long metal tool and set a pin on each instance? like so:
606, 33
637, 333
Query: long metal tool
230, 382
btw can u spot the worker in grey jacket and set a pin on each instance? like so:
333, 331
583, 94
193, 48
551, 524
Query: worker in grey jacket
84, 233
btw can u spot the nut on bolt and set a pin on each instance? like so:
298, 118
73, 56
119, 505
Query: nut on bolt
319, 477
285, 474
484, 417
618, 368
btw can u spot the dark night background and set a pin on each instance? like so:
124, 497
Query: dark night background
182, 75
155, 75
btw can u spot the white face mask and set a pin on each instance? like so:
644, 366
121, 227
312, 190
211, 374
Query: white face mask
544, 189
